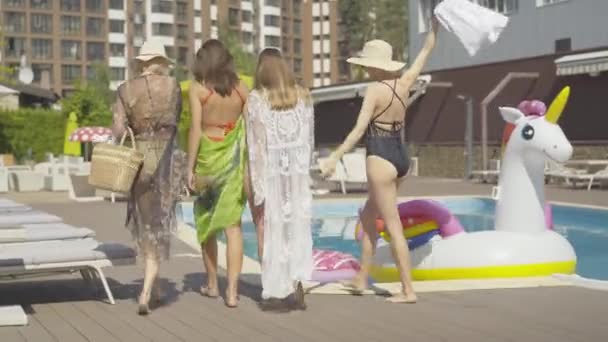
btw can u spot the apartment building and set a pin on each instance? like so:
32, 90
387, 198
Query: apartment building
63, 39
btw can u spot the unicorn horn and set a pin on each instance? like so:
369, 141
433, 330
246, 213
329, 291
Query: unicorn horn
557, 106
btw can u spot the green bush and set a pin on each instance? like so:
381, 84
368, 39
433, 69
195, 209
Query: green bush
39, 129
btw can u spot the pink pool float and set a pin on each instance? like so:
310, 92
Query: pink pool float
331, 266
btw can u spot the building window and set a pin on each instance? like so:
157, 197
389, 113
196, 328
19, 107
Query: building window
162, 6
540, 3
94, 27
246, 16
14, 47
14, 22
42, 23
70, 50
285, 27
117, 4
71, 73
275, 3
181, 10
70, 5
501, 6
182, 32
117, 74
170, 51
182, 55
285, 46
41, 4
139, 30
38, 69
96, 51
70, 25
247, 38
94, 6
42, 49
233, 16
14, 3
563, 45
117, 50
297, 65
297, 27
272, 41
162, 29
272, 20
320, 37
117, 26
297, 46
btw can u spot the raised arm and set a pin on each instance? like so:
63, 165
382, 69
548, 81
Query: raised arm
415, 69
194, 136
256, 147
365, 115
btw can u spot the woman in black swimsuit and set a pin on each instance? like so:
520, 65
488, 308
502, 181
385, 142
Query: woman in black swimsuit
382, 117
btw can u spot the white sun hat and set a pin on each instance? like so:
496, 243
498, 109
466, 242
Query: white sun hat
153, 49
377, 54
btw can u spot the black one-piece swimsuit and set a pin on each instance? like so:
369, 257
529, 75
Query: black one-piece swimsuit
388, 144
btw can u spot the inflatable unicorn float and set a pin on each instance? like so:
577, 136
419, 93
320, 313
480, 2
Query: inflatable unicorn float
522, 243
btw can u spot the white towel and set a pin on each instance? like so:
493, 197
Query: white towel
474, 25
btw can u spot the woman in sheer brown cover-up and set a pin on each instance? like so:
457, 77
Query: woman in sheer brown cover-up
150, 104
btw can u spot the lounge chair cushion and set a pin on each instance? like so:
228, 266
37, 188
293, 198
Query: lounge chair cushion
7, 206
66, 251
13, 219
44, 232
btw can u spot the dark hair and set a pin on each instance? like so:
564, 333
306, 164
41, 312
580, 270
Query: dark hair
214, 67
274, 77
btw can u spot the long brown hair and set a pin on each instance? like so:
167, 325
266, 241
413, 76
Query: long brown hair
214, 67
274, 78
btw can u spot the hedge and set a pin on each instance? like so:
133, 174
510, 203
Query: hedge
39, 129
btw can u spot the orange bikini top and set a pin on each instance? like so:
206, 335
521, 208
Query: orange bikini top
227, 127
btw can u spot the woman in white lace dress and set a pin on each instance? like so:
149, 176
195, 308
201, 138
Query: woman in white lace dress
280, 125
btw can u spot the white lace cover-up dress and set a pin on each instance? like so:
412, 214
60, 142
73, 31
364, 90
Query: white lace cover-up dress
280, 145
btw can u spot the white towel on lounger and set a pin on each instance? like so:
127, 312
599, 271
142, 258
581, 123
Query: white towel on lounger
474, 25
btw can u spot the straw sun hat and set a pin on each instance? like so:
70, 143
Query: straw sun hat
152, 49
377, 54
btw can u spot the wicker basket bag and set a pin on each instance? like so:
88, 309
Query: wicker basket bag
114, 167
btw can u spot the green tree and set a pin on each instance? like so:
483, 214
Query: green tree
92, 100
357, 27
392, 24
244, 61
6, 73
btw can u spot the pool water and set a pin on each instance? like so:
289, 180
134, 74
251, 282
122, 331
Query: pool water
334, 222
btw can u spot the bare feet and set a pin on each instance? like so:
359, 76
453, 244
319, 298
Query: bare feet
355, 286
143, 309
211, 292
232, 298
402, 298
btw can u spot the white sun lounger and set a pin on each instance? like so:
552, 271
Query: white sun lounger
7, 206
13, 219
85, 255
351, 170
44, 232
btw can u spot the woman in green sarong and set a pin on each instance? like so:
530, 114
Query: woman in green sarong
216, 162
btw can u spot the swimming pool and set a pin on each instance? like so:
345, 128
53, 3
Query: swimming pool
334, 223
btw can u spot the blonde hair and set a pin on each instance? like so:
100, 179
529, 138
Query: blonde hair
274, 78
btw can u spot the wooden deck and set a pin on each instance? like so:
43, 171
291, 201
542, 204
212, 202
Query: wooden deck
62, 308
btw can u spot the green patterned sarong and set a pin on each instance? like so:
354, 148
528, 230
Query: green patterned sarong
222, 203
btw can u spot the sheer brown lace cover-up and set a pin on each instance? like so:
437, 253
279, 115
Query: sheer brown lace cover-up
151, 106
